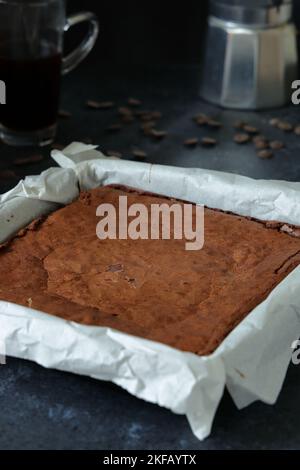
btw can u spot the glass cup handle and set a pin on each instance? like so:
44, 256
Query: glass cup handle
75, 57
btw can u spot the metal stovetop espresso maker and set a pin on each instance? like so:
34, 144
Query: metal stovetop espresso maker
250, 59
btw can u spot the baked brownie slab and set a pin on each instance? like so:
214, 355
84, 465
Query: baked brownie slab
155, 289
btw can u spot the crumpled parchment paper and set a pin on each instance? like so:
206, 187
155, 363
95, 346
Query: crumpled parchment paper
251, 362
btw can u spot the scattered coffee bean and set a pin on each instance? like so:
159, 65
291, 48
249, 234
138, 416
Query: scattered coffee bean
127, 118
214, 124
93, 104
250, 129
62, 113
147, 127
134, 102
124, 111
7, 174
114, 153
274, 122
258, 138
28, 160
239, 124
297, 130
140, 154
99, 104
201, 118
276, 145
157, 134
208, 142
265, 154
261, 144
241, 138
285, 126
191, 142
202, 121
114, 127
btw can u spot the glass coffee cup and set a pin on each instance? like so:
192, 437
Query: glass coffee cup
31, 65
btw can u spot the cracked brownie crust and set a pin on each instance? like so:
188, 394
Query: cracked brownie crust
155, 289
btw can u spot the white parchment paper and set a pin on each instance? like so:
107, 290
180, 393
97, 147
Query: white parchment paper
252, 361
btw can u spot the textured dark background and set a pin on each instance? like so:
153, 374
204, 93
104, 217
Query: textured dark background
138, 32
155, 32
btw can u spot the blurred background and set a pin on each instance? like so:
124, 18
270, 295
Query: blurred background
164, 32
153, 51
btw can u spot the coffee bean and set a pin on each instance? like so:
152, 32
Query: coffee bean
261, 144
93, 104
99, 104
125, 111
127, 118
265, 154
134, 102
157, 134
250, 129
241, 138
208, 142
114, 127
258, 138
62, 113
214, 124
285, 126
274, 122
201, 117
297, 130
28, 160
239, 124
140, 154
202, 120
276, 145
147, 127
7, 174
191, 142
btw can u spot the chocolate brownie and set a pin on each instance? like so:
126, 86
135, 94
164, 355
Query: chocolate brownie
154, 289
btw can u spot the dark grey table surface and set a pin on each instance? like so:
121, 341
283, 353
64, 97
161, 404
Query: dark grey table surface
47, 409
